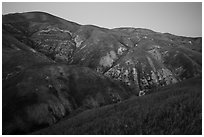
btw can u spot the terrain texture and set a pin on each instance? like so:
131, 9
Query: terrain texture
60, 77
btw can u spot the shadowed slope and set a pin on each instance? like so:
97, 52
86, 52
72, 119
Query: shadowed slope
44, 94
175, 109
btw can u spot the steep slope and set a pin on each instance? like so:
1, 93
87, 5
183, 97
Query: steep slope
42, 94
141, 58
173, 110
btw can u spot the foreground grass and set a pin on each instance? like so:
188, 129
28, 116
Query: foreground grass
175, 109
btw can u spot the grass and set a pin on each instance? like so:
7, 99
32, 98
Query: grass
175, 109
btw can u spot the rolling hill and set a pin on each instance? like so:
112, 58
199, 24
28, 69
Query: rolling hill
173, 110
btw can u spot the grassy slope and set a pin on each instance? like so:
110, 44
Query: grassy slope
175, 109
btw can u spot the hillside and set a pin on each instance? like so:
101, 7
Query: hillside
175, 109
45, 93
140, 58
54, 70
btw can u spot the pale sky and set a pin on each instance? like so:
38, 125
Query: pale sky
183, 18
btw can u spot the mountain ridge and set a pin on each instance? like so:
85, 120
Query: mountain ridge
44, 12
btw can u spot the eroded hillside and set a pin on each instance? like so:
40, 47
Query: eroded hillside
141, 58
53, 68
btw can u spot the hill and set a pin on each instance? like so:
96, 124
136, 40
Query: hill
140, 58
56, 70
175, 109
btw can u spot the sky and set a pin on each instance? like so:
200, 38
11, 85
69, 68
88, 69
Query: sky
183, 18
